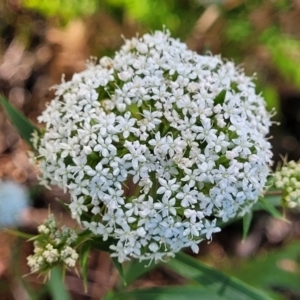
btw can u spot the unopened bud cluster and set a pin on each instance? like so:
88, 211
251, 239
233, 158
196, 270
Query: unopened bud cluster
287, 179
53, 246
188, 131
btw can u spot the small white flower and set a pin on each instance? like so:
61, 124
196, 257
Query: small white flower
126, 124
210, 228
77, 206
125, 75
43, 229
188, 197
166, 207
167, 187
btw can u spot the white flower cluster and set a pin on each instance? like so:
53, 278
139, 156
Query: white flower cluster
53, 246
187, 131
287, 179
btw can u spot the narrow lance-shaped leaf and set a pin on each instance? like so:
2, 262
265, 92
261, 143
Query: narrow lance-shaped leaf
273, 200
24, 126
119, 267
84, 257
194, 292
246, 224
270, 208
20, 234
224, 285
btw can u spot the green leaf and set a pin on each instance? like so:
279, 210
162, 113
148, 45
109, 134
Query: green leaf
84, 258
119, 267
20, 234
275, 200
22, 124
246, 224
268, 206
223, 285
194, 292
56, 286
135, 269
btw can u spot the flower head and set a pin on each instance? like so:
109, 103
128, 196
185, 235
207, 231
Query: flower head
182, 128
53, 246
287, 179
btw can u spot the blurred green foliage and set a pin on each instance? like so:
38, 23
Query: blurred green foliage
178, 16
278, 270
285, 53
65, 9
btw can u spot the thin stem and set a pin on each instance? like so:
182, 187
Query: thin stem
274, 193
